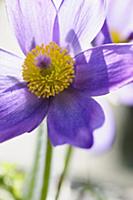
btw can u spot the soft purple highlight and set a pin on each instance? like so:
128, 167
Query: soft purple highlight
43, 61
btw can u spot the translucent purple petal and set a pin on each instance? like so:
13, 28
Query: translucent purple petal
72, 117
103, 36
79, 22
104, 136
56, 31
20, 111
103, 69
32, 20
10, 64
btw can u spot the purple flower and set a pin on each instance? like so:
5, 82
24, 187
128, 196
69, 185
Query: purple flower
58, 74
120, 21
119, 27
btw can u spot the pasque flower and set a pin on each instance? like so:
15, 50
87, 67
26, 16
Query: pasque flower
118, 28
120, 24
119, 19
58, 74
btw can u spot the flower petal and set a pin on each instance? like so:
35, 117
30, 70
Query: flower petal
79, 22
105, 68
103, 36
57, 3
20, 111
125, 95
10, 64
32, 20
104, 136
72, 117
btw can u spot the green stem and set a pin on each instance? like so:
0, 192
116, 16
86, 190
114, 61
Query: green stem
63, 175
47, 169
39, 182
35, 165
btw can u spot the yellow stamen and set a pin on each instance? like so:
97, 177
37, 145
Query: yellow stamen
116, 37
48, 70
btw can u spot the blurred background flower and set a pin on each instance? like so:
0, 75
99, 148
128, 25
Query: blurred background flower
120, 24
119, 19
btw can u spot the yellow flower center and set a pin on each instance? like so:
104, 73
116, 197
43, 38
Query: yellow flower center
48, 70
116, 37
